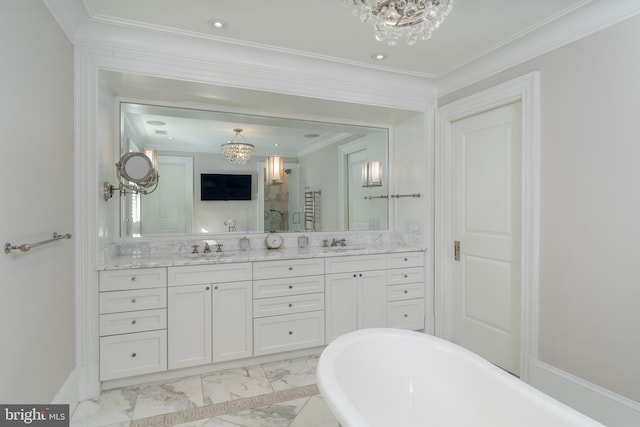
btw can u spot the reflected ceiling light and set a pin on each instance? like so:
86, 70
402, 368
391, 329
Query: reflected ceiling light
236, 151
275, 170
217, 24
372, 174
412, 20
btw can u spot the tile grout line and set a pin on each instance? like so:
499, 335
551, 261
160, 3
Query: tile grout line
225, 408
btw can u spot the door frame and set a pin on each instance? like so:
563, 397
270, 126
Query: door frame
525, 89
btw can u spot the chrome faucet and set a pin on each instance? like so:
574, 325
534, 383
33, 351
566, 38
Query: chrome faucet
339, 242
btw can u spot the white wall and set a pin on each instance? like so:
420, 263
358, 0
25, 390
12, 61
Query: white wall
590, 206
413, 173
37, 353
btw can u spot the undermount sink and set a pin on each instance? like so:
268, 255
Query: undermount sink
344, 248
211, 255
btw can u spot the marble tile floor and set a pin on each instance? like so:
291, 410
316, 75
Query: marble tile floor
275, 394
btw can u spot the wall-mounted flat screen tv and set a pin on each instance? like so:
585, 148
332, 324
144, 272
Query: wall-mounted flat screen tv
216, 186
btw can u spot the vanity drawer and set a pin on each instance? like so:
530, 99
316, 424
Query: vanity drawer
138, 299
289, 332
286, 287
199, 274
405, 275
287, 268
405, 259
133, 321
347, 264
405, 291
407, 314
134, 278
133, 354
288, 305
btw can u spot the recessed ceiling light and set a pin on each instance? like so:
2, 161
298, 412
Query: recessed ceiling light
218, 24
379, 56
155, 123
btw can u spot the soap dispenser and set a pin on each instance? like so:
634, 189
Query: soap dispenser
244, 243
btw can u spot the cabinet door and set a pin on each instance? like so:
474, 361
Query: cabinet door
372, 299
232, 321
189, 325
341, 294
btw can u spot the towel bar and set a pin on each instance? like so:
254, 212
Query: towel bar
27, 246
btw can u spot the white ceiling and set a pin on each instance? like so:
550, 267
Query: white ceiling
326, 29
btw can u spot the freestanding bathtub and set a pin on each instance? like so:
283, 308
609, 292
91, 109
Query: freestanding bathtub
398, 378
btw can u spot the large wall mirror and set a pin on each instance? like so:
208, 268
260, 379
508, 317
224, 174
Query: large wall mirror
319, 187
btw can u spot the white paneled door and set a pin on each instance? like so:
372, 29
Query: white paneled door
169, 209
487, 232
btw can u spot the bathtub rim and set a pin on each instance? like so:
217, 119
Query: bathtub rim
348, 416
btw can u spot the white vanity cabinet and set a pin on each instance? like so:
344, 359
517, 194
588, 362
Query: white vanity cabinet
133, 322
405, 290
154, 319
288, 305
209, 313
356, 293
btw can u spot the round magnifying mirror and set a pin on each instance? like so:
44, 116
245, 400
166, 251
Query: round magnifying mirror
136, 167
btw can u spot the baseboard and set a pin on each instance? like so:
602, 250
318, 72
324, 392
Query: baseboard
68, 393
81, 384
592, 400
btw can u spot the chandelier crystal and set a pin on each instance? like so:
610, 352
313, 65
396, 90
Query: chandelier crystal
236, 151
411, 20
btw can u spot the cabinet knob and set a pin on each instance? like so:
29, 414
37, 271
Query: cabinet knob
406, 291
133, 355
133, 322
290, 286
406, 275
133, 300
290, 332
360, 274
133, 278
406, 259
207, 288
290, 305
215, 287
290, 268
355, 275
406, 315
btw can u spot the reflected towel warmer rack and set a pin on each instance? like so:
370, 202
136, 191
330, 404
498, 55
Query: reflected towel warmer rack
8, 247
312, 210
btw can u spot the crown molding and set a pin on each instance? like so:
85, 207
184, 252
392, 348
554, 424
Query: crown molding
589, 19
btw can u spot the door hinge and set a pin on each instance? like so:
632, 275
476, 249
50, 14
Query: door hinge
456, 250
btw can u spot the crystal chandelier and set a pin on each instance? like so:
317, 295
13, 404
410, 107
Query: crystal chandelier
412, 20
236, 151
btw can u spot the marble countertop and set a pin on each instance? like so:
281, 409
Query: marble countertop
172, 260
